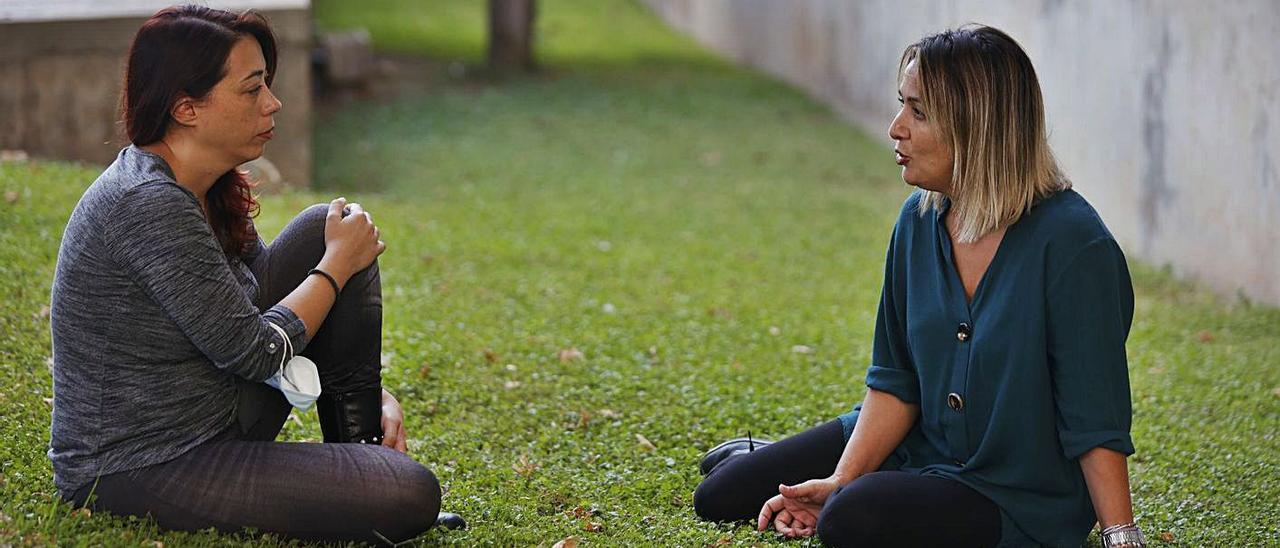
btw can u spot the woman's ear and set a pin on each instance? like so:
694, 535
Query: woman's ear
184, 111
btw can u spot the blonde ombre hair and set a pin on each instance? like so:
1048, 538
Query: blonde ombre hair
980, 89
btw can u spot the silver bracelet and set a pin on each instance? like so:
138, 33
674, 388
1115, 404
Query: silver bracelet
1124, 535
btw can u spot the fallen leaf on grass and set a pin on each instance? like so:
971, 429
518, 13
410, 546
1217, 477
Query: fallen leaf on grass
567, 542
511, 385
425, 370
1276, 391
82, 513
645, 443
10, 197
722, 541
48, 400
524, 466
584, 419
1205, 336
491, 356
569, 354
593, 527
581, 513
1166, 536
611, 414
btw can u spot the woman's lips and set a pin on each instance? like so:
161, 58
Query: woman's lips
901, 158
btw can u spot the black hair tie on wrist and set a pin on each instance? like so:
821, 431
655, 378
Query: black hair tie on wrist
336, 291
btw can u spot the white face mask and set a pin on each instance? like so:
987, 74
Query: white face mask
298, 378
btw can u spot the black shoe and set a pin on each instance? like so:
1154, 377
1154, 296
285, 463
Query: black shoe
450, 520
351, 417
735, 446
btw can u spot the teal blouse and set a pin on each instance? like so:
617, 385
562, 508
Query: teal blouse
1014, 386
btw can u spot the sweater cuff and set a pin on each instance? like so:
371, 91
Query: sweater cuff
292, 325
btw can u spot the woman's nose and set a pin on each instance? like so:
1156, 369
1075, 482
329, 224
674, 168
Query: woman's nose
897, 131
273, 102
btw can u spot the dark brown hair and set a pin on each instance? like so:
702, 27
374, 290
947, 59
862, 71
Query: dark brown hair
182, 51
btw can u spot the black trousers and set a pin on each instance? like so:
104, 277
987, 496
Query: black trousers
309, 491
883, 508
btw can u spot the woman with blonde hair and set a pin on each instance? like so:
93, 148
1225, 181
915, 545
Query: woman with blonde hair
997, 409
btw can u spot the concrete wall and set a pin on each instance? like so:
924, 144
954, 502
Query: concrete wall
1165, 113
60, 85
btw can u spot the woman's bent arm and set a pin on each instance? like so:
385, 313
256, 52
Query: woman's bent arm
882, 424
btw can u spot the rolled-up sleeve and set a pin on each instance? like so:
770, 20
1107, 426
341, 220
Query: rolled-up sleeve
160, 238
1090, 310
891, 367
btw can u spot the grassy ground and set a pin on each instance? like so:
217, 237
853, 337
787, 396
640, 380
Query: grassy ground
632, 243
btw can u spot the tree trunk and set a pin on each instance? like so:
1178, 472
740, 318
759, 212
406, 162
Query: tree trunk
511, 34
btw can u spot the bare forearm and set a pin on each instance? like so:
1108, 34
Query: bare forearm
882, 424
1107, 476
314, 297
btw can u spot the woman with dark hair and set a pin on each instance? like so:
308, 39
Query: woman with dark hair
169, 313
998, 408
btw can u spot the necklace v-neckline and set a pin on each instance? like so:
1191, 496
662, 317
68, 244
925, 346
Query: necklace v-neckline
953, 269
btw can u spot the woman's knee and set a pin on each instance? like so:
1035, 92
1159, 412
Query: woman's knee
304, 234
707, 500
314, 216
853, 516
310, 225
716, 498
412, 503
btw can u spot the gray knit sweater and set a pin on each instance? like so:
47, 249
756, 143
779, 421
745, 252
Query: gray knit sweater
151, 324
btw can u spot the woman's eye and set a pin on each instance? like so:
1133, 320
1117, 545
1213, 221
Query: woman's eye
256, 89
919, 115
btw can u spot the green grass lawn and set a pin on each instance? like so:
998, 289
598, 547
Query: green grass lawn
684, 225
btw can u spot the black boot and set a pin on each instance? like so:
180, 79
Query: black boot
351, 417
449, 520
731, 448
